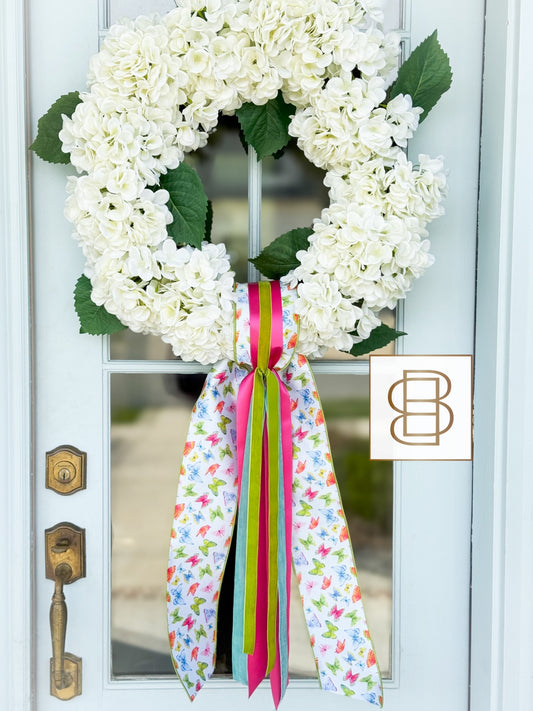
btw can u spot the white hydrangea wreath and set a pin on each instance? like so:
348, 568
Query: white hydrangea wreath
156, 90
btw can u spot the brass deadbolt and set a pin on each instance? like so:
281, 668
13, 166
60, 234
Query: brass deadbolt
66, 469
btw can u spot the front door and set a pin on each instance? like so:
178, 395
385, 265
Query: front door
125, 402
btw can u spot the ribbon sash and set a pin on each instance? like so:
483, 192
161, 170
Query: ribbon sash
264, 456
222, 457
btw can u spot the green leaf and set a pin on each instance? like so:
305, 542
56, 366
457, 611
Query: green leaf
47, 144
279, 257
379, 337
266, 127
93, 319
187, 203
425, 75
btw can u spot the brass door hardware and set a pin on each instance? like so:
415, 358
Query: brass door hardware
66, 469
65, 563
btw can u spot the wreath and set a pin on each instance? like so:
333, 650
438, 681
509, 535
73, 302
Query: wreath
320, 71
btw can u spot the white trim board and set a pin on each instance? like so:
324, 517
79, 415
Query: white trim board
15, 370
502, 561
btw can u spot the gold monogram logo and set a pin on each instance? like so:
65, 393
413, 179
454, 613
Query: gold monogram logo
418, 397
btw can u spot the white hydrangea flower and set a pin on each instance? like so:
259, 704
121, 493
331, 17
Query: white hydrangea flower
374, 9
403, 117
141, 262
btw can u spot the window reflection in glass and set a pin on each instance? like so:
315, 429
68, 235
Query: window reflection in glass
293, 193
223, 168
149, 421
149, 418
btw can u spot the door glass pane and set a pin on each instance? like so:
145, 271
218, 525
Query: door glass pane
149, 416
223, 168
149, 420
293, 193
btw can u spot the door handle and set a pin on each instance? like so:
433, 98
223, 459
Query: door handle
65, 563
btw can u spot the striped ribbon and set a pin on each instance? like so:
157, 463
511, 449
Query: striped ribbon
263, 550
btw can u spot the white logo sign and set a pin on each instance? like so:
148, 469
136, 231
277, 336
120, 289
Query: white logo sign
421, 407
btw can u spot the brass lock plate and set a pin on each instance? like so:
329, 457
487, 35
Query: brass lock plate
65, 543
66, 469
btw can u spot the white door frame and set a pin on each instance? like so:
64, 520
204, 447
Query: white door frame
502, 574
502, 534
16, 477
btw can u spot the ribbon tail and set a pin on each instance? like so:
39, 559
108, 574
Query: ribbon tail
239, 661
279, 677
206, 498
270, 651
277, 687
337, 625
250, 407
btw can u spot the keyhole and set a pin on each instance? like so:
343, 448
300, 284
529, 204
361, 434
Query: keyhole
65, 475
